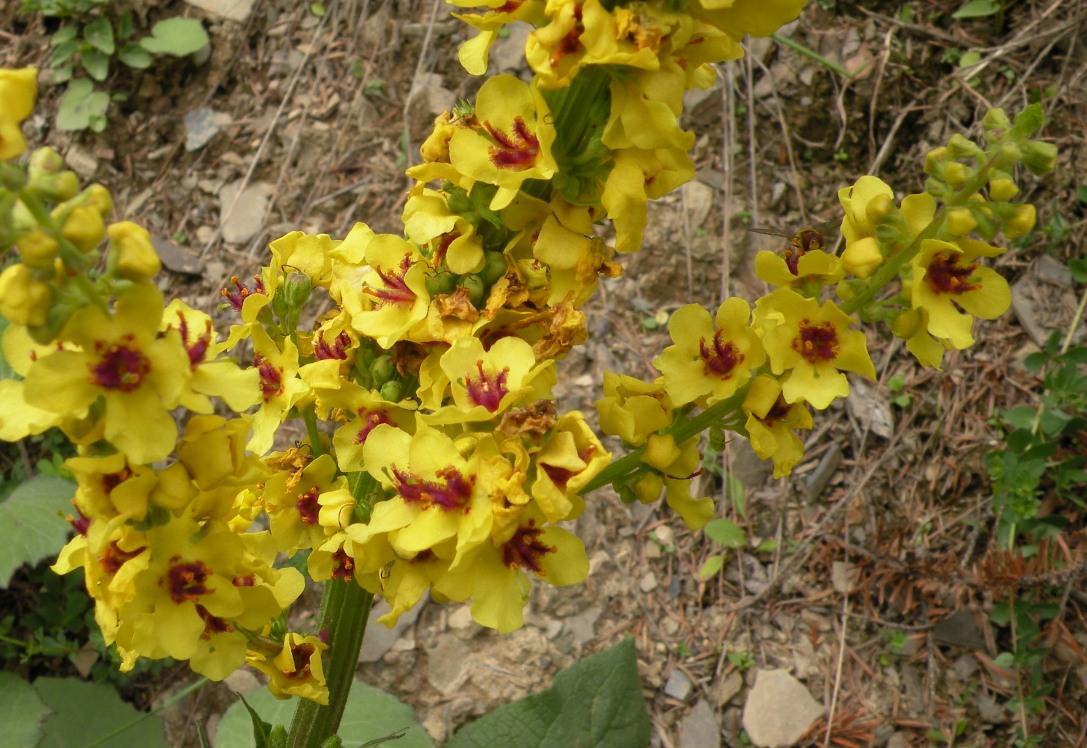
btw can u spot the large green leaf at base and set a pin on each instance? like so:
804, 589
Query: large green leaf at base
93, 714
596, 703
32, 525
21, 712
370, 714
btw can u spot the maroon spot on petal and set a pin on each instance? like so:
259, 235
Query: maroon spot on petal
395, 289
236, 296
373, 419
816, 343
308, 507
525, 549
120, 367
720, 359
945, 275
452, 491
271, 377
516, 151
488, 390
187, 581
212, 624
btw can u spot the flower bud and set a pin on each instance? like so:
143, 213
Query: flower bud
477, 291
45, 161
996, 122
84, 228
960, 221
961, 147
1008, 156
935, 160
1002, 189
23, 300
37, 249
56, 187
440, 284
955, 174
96, 196
382, 369
392, 391
131, 254
661, 451
1039, 158
1021, 222
878, 208
648, 488
862, 257
494, 267
297, 288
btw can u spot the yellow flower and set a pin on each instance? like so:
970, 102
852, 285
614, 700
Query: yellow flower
296, 670
306, 500
632, 409
280, 387
121, 359
912, 326
18, 89
571, 456
514, 140
855, 201
711, 358
771, 422
390, 296
496, 576
811, 345
637, 176
953, 288
493, 15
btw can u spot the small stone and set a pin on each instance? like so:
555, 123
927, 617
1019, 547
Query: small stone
582, 627
508, 54
232, 10
678, 685
648, 582
242, 215
81, 162
461, 618
841, 577
201, 125
699, 729
779, 710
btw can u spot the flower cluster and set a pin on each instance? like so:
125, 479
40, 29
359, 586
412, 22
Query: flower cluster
435, 457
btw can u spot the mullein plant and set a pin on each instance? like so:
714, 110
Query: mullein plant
436, 458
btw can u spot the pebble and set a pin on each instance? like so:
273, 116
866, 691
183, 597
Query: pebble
769, 724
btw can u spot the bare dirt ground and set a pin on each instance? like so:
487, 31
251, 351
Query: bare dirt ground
872, 596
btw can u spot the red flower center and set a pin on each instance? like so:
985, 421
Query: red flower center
946, 276
308, 506
816, 342
396, 289
450, 492
119, 367
271, 377
722, 358
187, 580
515, 151
488, 390
525, 549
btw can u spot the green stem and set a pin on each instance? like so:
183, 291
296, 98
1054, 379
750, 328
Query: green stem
345, 610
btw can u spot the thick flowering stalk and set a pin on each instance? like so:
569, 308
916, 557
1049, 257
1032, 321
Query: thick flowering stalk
436, 458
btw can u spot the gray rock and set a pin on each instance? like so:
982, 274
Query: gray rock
231, 10
699, 729
779, 710
678, 685
242, 215
380, 638
201, 125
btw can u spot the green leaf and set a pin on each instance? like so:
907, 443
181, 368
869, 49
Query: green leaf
64, 34
317, 9
31, 525
95, 63
99, 33
1081, 195
1078, 267
725, 532
64, 52
92, 714
21, 712
370, 713
969, 59
135, 56
596, 702
710, 567
176, 36
977, 9
80, 104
